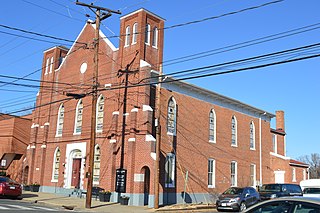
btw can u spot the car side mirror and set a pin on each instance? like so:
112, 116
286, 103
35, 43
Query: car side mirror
247, 195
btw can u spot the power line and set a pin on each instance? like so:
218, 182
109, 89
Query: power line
40, 34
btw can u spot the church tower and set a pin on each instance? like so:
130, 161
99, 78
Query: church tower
141, 31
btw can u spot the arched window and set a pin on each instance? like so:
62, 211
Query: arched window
51, 65
60, 120
147, 34
212, 126
96, 165
155, 37
252, 136
134, 33
127, 40
78, 121
172, 117
233, 131
56, 165
100, 110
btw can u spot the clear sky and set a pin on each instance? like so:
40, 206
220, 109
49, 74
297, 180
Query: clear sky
291, 87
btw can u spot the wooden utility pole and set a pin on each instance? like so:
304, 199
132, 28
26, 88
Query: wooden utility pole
158, 141
99, 18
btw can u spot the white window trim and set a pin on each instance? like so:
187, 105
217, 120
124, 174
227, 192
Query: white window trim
294, 175
175, 117
75, 120
235, 173
127, 37
155, 37
215, 126
148, 33
97, 110
254, 136
236, 132
54, 165
51, 65
254, 174
95, 148
47, 66
213, 180
275, 144
57, 128
134, 33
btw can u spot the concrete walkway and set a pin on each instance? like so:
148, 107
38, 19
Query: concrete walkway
78, 204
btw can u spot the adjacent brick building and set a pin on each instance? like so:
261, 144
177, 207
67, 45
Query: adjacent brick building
208, 141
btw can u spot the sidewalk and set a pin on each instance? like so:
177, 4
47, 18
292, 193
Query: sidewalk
78, 204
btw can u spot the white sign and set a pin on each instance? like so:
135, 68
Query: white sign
3, 162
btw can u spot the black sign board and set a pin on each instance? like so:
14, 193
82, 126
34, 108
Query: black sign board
121, 180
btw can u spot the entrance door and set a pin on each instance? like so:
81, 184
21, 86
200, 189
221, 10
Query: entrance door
146, 185
75, 181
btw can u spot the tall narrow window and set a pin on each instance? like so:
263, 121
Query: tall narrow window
234, 131
56, 165
60, 120
47, 66
78, 123
134, 33
172, 117
252, 136
127, 38
294, 178
212, 126
96, 165
274, 143
51, 65
170, 170
147, 34
155, 38
233, 173
253, 175
100, 110
211, 173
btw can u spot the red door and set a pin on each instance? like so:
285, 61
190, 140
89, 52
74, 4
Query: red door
75, 182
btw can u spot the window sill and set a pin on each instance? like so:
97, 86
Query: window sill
58, 136
253, 149
234, 145
211, 141
77, 133
211, 187
54, 181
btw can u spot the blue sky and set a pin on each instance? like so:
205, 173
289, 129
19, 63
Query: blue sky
292, 87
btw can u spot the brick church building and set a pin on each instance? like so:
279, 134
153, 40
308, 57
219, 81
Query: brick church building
208, 142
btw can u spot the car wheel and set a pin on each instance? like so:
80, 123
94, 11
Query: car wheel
243, 206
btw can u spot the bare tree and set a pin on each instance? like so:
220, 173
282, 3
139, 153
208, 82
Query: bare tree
314, 161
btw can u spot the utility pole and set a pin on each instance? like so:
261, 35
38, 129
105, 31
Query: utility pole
121, 175
99, 17
158, 141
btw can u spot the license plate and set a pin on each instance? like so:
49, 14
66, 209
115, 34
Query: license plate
223, 204
12, 187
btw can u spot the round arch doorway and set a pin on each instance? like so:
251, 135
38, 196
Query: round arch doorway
146, 184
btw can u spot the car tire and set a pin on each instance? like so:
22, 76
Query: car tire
242, 207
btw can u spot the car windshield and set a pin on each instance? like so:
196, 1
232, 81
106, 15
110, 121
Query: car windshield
311, 191
270, 188
233, 191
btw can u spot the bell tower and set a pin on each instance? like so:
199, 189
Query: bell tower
141, 31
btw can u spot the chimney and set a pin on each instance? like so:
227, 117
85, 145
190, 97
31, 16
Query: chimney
280, 120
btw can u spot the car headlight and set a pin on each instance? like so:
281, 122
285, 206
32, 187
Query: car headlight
273, 196
233, 200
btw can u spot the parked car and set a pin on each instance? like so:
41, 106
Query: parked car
237, 198
10, 188
274, 190
287, 205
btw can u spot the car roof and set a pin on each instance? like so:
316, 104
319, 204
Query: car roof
314, 200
